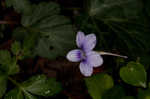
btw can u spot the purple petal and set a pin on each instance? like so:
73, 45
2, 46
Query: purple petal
80, 38
94, 59
85, 69
74, 55
89, 42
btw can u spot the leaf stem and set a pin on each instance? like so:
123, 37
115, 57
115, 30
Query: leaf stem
17, 84
14, 81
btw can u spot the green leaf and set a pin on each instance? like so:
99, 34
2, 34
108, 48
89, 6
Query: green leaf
40, 85
39, 12
29, 40
98, 84
117, 92
9, 64
5, 57
29, 44
134, 74
16, 48
125, 25
20, 33
14, 94
3, 84
21, 6
56, 32
13, 67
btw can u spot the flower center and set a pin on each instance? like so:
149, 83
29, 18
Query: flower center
83, 56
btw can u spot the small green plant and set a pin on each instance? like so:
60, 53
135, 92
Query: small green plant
37, 85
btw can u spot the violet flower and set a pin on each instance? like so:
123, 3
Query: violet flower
85, 55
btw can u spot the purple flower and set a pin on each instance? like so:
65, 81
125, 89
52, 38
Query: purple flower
85, 54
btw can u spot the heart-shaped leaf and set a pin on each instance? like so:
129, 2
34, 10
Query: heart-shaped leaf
134, 74
98, 84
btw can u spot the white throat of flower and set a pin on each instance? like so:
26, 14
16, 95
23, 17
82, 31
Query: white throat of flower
83, 55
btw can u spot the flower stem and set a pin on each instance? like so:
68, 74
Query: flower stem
112, 54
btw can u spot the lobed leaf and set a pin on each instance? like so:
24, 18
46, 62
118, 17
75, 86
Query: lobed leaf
8, 64
29, 96
3, 84
40, 85
55, 32
14, 94
13, 67
21, 6
5, 57
16, 48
